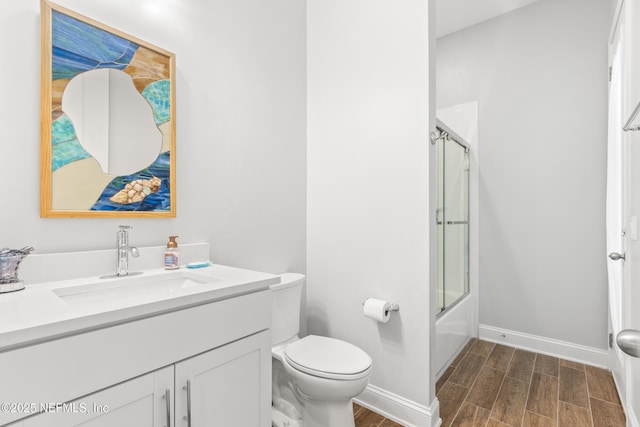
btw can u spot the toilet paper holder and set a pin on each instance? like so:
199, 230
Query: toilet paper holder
393, 306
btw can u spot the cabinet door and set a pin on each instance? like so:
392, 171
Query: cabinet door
229, 386
140, 402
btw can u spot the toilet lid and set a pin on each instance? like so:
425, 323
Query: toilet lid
328, 358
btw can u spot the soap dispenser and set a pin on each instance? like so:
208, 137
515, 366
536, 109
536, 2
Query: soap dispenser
172, 254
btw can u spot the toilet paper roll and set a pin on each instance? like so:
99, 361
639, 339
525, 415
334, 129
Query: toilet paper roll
377, 310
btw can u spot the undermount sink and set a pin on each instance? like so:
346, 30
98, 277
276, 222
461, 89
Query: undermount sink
132, 289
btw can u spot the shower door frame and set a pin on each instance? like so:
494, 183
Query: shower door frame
448, 135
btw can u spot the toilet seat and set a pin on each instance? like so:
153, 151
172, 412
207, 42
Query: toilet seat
328, 358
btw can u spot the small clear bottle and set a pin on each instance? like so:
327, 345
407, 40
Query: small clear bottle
172, 254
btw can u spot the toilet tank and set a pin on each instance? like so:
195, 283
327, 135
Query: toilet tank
286, 298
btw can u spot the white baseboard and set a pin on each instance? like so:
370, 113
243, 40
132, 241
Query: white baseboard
632, 419
398, 409
549, 346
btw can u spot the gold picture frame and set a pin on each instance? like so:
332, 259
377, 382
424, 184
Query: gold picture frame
115, 155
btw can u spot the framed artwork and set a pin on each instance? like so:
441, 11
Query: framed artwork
107, 102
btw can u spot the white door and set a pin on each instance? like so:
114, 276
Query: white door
229, 386
615, 209
142, 402
624, 263
628, 340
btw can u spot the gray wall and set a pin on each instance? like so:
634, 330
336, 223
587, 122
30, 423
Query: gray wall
540, 76
241, 106
368, 185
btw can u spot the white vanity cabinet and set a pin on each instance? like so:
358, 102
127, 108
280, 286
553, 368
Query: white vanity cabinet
226, 386
122, 374
222, 387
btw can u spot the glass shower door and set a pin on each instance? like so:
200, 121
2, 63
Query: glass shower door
453, 222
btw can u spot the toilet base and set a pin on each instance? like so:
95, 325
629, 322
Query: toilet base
324, 414
278, 419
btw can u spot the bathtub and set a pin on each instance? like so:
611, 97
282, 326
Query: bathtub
453, 331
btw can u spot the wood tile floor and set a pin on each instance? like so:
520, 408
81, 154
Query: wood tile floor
366, 418
492, 385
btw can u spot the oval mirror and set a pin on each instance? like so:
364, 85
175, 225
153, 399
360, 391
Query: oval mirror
113, 122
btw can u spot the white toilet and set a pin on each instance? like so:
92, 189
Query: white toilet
314, 378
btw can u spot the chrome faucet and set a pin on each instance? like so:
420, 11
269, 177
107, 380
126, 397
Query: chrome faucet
123, 249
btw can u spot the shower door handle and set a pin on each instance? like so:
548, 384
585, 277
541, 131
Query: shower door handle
616, 256
629, 342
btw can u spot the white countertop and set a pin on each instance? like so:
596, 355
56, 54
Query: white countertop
37, 314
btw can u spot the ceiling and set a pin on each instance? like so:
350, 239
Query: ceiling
454, 15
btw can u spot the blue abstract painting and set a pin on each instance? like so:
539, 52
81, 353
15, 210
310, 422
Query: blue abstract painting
154, 201
78, 47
